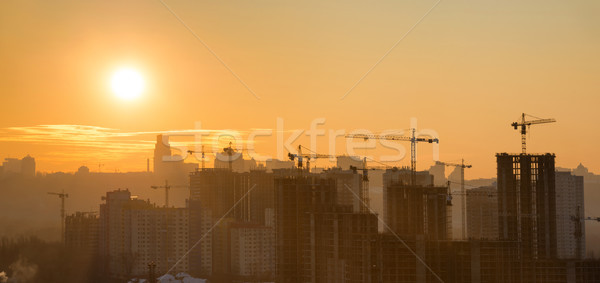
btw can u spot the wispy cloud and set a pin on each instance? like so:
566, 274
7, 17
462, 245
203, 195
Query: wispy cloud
70, 142
78, 136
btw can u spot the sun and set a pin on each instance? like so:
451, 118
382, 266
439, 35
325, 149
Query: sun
127, 84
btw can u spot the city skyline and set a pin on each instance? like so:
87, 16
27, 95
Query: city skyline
314, 141
466, 70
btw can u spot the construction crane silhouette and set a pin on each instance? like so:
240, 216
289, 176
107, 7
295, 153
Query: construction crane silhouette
308, 156
193, 151
525, 124
364, 192
579, 219
463, 210
167, 187
230, 151
413, 139
62, 197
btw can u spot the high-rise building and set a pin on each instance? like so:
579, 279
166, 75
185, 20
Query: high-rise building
412, 210
319, 240
527, 203
24, 166
11, 166
81, 233
200, 239
219, 196
252, 250
28, 166
482, 213
570, 234
170, 167
349, 184
438, 171
162, 150
229, 194
134, 233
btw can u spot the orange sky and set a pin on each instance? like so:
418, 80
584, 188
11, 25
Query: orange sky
466, 71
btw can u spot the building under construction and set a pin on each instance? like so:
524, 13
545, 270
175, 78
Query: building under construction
416, 210
482, 213
81, 232
527, 203
319, 239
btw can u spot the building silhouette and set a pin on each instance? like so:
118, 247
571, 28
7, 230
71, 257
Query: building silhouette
318, 239
134, 233
570, 234
221, 198
482, 213
24, 167
527, 203
416, 210
168, 166
81, 232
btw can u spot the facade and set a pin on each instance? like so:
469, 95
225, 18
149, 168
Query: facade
200, 239
134, 233
527, 203
570, 234
221, 196
412, 211
252, 251
349, 185
482, 213
81, 232
438, 171
319, 240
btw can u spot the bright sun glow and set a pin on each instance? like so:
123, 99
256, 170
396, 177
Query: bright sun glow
127, 84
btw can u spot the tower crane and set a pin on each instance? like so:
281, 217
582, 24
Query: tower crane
413, 139
230, 151
301, 156
62, 197
193, 151
167, 187
364, 193
525, 124
463, 211
579, 219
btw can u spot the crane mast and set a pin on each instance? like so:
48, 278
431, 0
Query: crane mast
230, 151
193, 151
364, 192
525, 124
463, 212
62, 197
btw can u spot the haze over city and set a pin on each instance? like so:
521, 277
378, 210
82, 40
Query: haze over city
110, 104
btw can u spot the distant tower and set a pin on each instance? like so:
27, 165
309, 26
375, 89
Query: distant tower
28, 166
482, 213
161, 149
148, 165
569, 204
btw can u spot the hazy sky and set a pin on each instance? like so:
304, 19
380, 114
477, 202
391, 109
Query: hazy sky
466, 71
